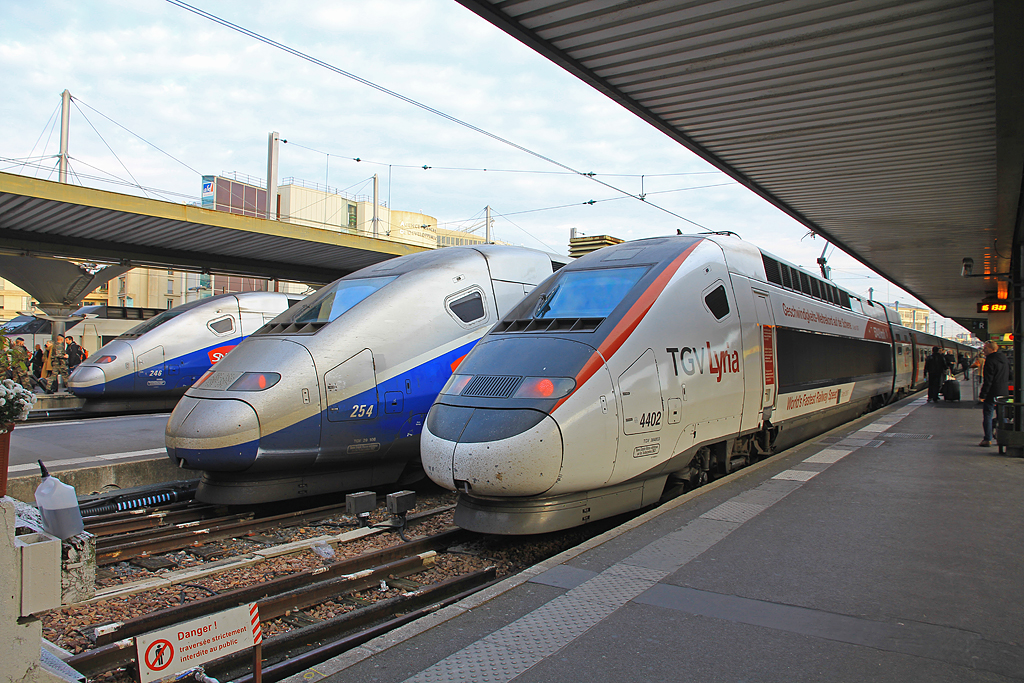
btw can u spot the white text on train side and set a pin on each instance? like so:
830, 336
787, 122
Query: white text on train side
693, 360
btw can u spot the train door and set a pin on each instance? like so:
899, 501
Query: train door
149, 370
351, 428
769, 381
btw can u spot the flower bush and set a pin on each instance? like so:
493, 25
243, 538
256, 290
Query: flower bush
15, 402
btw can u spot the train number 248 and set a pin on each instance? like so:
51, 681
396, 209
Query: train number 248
362, 411
650, 419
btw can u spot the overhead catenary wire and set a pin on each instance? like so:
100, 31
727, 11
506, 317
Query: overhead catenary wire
130, 132
137, 183
330, 67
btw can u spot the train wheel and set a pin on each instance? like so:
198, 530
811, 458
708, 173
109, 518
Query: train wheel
699, 478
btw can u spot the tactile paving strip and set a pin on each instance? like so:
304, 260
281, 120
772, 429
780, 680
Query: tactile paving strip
795, 475
485, 661
733, 511
671, 552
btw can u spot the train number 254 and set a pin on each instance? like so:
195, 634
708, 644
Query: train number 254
362, 411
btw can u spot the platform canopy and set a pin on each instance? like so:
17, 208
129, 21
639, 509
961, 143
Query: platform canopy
44, 218
894, 128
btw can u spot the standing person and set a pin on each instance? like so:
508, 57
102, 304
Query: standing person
59, 363
37, 361
964, 365
46, 371
994, 381
74, 352
935, 370
20, 363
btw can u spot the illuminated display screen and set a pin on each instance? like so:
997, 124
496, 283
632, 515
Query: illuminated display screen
992, 308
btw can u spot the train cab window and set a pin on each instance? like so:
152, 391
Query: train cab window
588, 293
468, 308
222, 325
717, 302
329, 302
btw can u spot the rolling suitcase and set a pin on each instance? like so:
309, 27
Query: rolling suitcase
951, 390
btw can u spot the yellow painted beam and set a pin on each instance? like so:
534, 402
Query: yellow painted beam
112, 201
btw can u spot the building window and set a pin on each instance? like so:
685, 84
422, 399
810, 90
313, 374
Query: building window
170, 303
170, 286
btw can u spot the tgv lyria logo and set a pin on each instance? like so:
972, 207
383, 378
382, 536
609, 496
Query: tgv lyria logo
697, 360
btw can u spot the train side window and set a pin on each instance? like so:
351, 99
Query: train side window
222, 325
468, 308
717, 302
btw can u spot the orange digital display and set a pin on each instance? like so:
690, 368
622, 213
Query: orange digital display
992, 308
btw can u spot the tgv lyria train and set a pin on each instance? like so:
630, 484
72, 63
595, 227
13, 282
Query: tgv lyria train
640, 368
153, 363
332, 394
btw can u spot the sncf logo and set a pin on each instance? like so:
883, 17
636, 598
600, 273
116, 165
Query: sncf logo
219, 352
697, 360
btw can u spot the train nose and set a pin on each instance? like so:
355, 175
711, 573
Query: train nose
491, 452
87, 380
221, 435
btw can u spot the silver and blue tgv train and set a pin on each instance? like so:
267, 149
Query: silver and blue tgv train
638, 369
332, 394
152, 364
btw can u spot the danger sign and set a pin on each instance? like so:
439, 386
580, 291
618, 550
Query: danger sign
162, 654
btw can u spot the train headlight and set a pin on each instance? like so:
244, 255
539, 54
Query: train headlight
455, 384
255, 381
103, 360
545, 387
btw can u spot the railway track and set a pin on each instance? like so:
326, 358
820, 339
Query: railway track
319, 594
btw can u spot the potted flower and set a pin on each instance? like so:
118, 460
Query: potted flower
15, 402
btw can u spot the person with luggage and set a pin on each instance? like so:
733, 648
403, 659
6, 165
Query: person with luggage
74, 352
935, 369
994, 382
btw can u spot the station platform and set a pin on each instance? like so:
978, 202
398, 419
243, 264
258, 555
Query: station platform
886, 550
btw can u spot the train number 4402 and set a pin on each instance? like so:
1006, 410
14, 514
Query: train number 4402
650, 419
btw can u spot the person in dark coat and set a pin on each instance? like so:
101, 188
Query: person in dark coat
935, 369
995, 380
37, 361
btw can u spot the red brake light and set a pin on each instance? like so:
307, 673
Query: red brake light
103, 360
255, 381
545, 387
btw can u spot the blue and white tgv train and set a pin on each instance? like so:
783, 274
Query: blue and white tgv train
156, 361
332, 395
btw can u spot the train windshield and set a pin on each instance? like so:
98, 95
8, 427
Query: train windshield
588, 293
155, 321
331, 301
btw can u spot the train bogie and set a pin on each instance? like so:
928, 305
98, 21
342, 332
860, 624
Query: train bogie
353, 371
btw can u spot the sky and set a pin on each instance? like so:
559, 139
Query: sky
163, 96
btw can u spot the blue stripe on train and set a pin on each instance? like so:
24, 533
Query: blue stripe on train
175, 374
